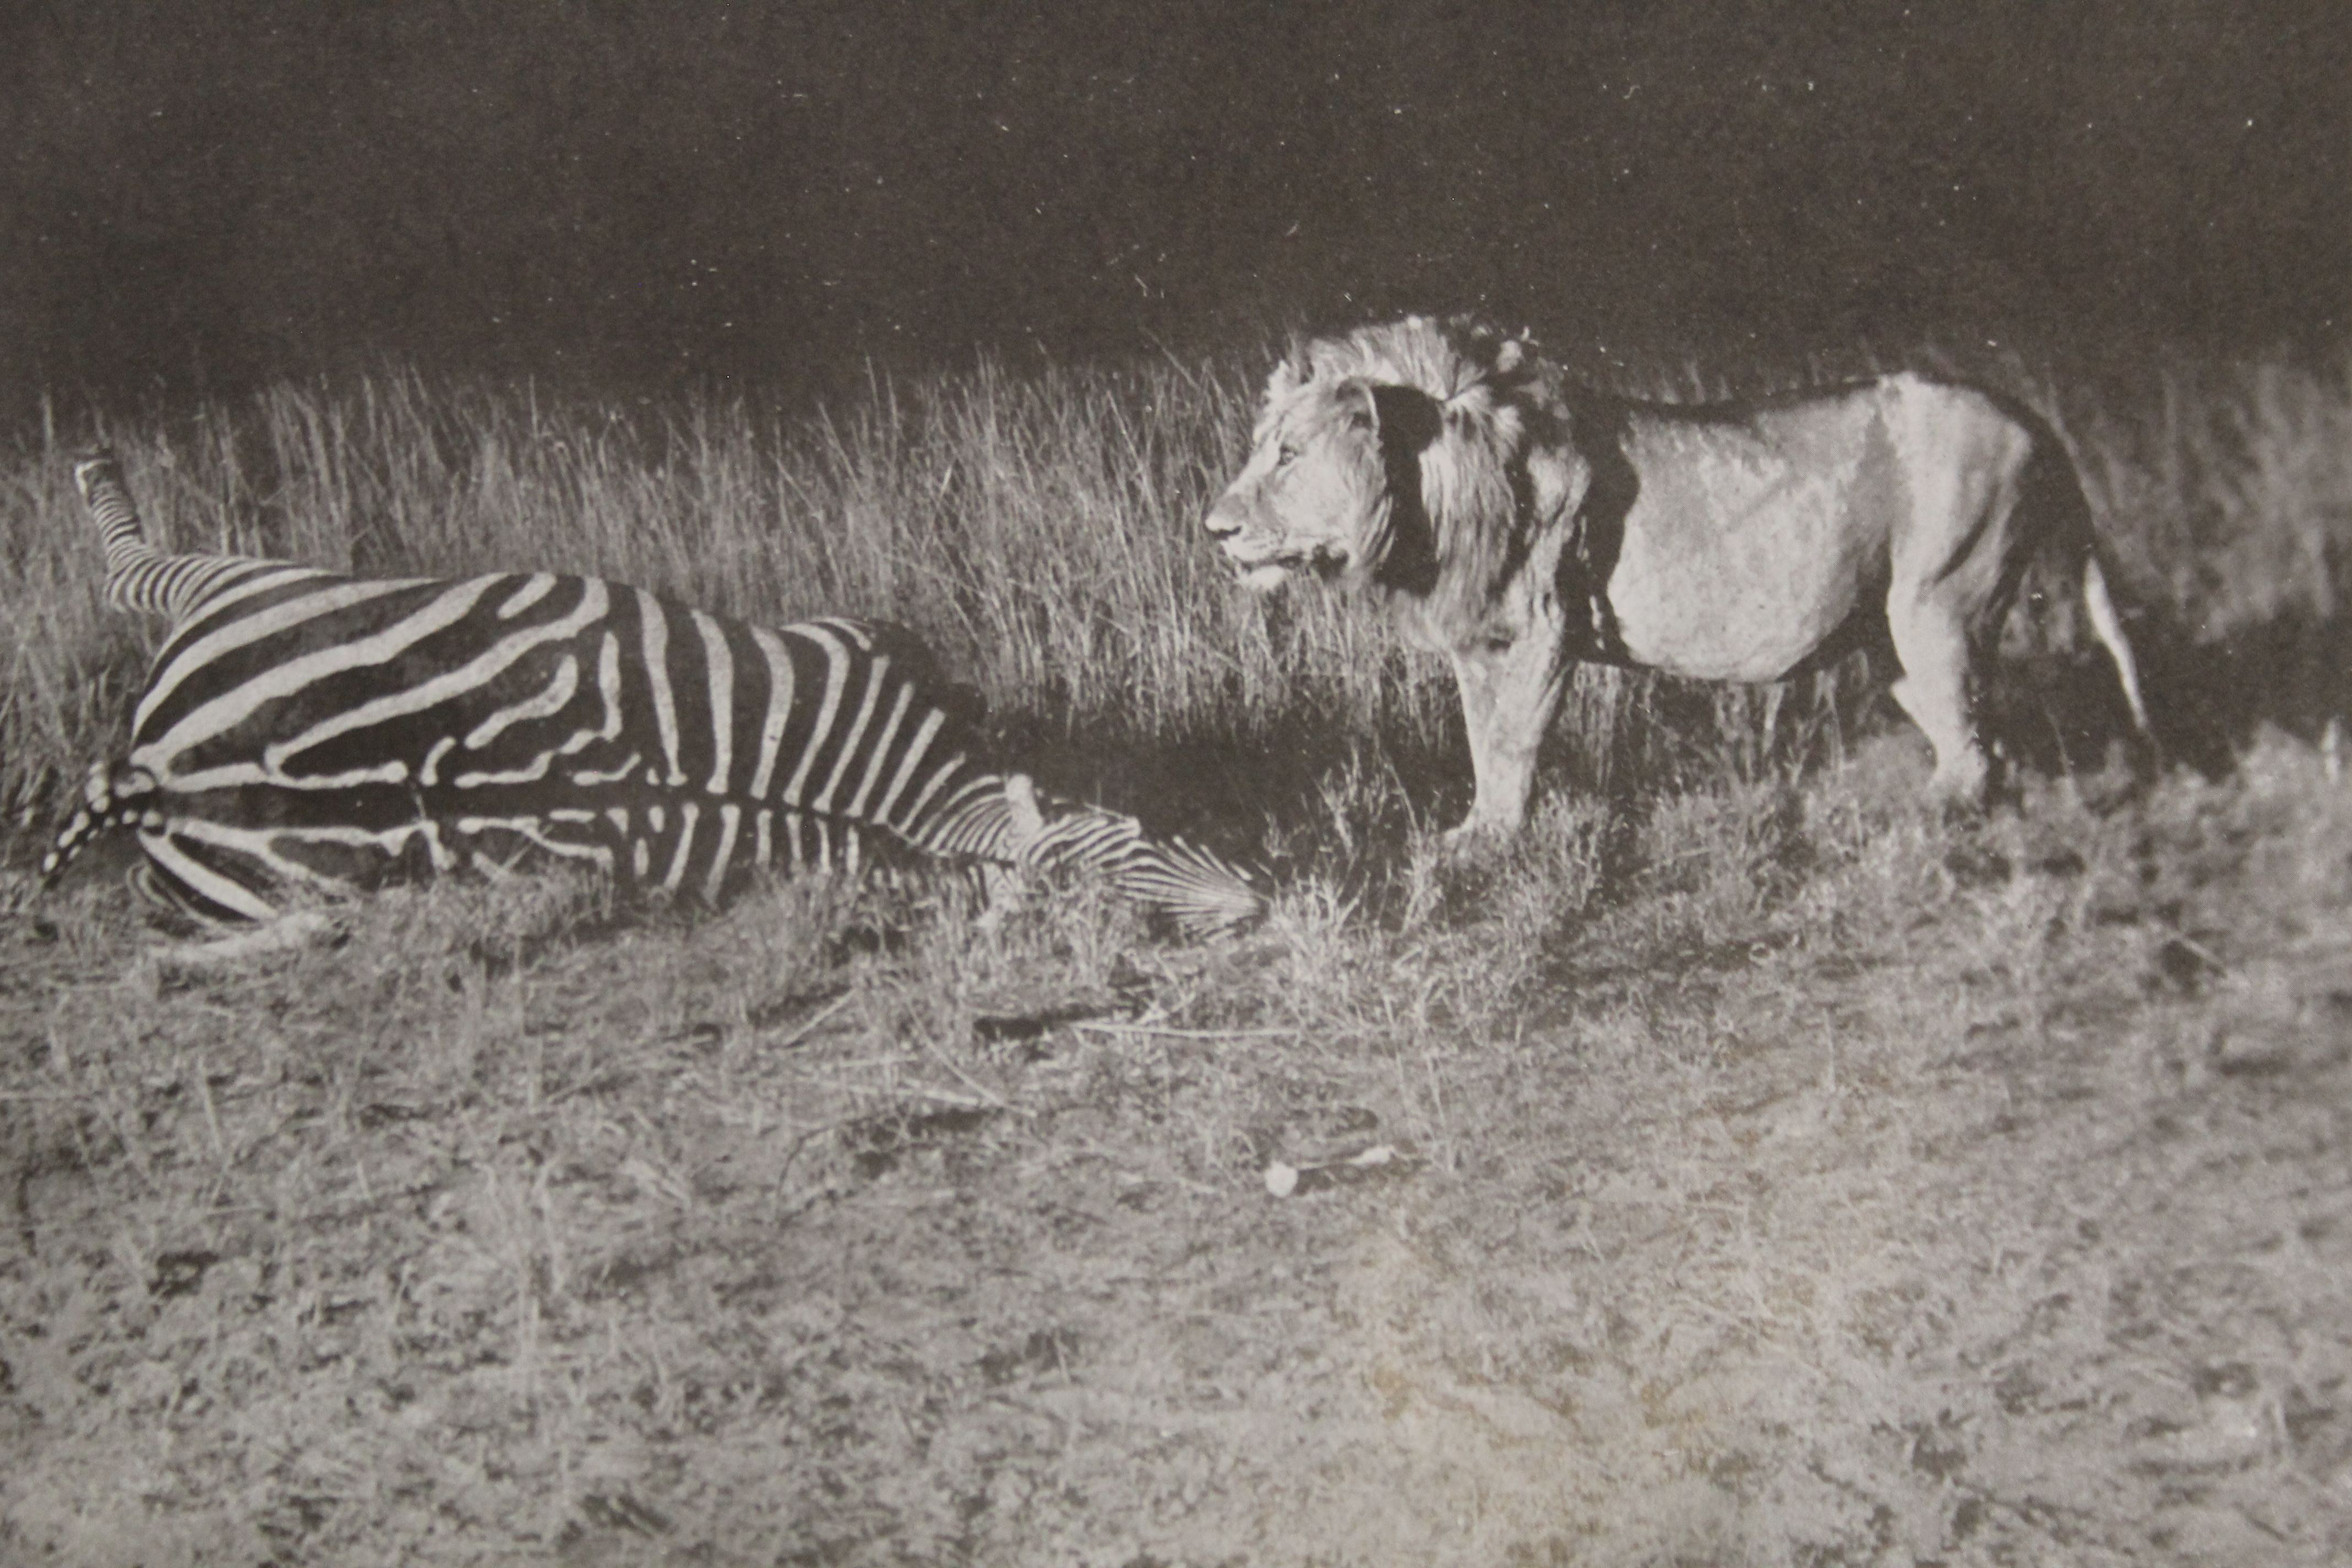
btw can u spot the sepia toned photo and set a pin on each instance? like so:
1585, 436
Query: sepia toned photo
1202, 785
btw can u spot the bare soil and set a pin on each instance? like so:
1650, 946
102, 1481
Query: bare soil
1780, 1179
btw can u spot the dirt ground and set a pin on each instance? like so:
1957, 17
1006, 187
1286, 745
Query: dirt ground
1786, 1179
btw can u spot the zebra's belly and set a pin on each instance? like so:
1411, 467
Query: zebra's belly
247, 850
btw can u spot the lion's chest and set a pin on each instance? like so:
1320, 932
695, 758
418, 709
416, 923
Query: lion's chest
1739, 553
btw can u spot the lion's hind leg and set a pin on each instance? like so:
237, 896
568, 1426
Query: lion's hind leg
1954, 567
1932, 643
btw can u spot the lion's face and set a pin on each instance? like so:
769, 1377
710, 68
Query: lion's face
1314, 495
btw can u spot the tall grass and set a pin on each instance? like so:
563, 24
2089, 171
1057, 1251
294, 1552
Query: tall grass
2233, 485
1040, 530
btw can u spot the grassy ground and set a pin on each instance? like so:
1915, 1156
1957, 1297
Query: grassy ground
1748, 1170
1778, 1179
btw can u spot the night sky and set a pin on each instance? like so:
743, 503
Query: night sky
198, 196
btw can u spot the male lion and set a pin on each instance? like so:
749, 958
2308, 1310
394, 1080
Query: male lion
1518, 525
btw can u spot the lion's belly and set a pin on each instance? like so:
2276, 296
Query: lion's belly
1736, 571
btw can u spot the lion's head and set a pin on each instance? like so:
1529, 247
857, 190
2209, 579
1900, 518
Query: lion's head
1385, 458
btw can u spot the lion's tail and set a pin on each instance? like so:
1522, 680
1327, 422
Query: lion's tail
2063, 475
2109, 625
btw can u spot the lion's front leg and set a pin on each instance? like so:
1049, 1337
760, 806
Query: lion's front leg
1509, 692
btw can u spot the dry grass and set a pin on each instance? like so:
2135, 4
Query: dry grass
1778, 1179
1743, 1168
1041, 534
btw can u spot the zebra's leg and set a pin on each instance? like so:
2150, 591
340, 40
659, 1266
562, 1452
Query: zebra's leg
153, 891
1003, 884
288, 933
230, 941
234, 945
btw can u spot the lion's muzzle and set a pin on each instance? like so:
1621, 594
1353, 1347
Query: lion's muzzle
1228, 524
1225, 522
1258, 559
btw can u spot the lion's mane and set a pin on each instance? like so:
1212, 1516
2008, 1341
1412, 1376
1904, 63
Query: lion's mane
1458, 406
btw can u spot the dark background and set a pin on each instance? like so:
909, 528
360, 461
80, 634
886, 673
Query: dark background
197, 196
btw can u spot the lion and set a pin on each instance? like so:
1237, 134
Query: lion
1519, 525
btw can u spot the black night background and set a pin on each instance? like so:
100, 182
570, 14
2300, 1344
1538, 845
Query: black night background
197, 197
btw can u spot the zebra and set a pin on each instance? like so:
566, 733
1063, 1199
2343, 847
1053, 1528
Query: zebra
303, 731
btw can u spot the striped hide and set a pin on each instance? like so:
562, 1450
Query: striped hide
303, 732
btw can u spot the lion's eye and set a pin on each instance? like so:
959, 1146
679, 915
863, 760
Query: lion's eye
1286, 456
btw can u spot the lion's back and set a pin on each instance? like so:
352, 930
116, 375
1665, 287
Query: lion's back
1746, 536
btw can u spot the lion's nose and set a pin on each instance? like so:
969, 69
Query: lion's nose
1222, 522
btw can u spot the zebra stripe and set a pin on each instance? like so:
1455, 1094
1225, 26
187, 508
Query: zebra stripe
195, 653
837, 663
652, 630
778, 709
720, 663
303, 732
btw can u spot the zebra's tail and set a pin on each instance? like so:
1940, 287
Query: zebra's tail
104, 804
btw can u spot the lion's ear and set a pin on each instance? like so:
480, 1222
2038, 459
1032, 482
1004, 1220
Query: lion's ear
1351, 400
